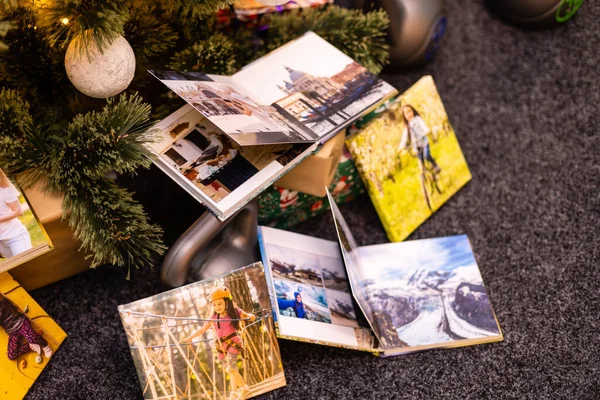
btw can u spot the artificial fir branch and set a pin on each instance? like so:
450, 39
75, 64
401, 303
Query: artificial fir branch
30, 63
360, 36
112, 225
94, 22
109, 223
215, 55
113, 139
18, 151
191, 15
148, 35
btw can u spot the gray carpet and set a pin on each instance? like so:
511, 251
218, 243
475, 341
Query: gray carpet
525, 106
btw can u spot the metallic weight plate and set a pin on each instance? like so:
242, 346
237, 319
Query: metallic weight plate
414, 25
211, 247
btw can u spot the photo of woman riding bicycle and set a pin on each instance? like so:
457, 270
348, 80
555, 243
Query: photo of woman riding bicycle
409, 158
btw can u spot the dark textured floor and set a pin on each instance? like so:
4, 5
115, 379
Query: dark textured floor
525, 106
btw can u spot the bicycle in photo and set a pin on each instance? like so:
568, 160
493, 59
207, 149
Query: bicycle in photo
430, 182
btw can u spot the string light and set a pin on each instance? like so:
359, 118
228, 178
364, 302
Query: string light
64, 21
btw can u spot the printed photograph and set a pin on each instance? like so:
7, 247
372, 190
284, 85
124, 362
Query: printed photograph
337, 290
21, 234
326, 277
298, 93
301, 301
313, 85
29, 339
409, 158
210, 339
353, 263
234, 113
212, 161
426, 292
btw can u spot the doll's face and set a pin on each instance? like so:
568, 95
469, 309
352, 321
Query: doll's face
219, 306
408, 113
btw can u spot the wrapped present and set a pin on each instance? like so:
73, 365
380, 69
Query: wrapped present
284, 208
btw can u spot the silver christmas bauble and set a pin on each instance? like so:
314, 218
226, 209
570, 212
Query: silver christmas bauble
100, 74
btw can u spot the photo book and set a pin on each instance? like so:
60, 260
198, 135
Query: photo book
239, 134
409, 158
22, 236
210, 339
387, 299
28, 338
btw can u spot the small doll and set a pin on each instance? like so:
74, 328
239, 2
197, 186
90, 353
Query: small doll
226, 323
16, 324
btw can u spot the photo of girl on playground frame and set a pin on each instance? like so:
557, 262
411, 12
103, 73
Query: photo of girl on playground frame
209, 339
409, 158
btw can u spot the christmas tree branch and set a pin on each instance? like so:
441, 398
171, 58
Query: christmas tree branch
360, 36
109, 223
94, 22
215, 55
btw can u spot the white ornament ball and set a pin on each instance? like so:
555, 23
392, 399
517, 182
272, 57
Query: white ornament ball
273, 2
97, 74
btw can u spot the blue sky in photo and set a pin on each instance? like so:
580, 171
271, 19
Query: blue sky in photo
395, 260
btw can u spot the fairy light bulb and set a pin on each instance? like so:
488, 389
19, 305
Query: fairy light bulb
64, 21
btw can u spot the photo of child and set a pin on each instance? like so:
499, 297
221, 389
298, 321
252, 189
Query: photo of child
226, 321
14, 237
297, 305
409, 158
18, 327
20, 233
210, 339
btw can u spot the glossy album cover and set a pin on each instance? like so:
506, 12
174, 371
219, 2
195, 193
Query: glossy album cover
28, 338
409, 158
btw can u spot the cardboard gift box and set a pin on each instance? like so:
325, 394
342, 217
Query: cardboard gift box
315, 173
284, 208
65, 259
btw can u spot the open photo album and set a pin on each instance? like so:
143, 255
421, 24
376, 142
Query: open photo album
214, 169
22, 236
388, 299
303, 92
210, 339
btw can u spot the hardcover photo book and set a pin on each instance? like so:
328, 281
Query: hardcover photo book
387, 299
28, 338
409, 158
213, 339
22, 236
303, 92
